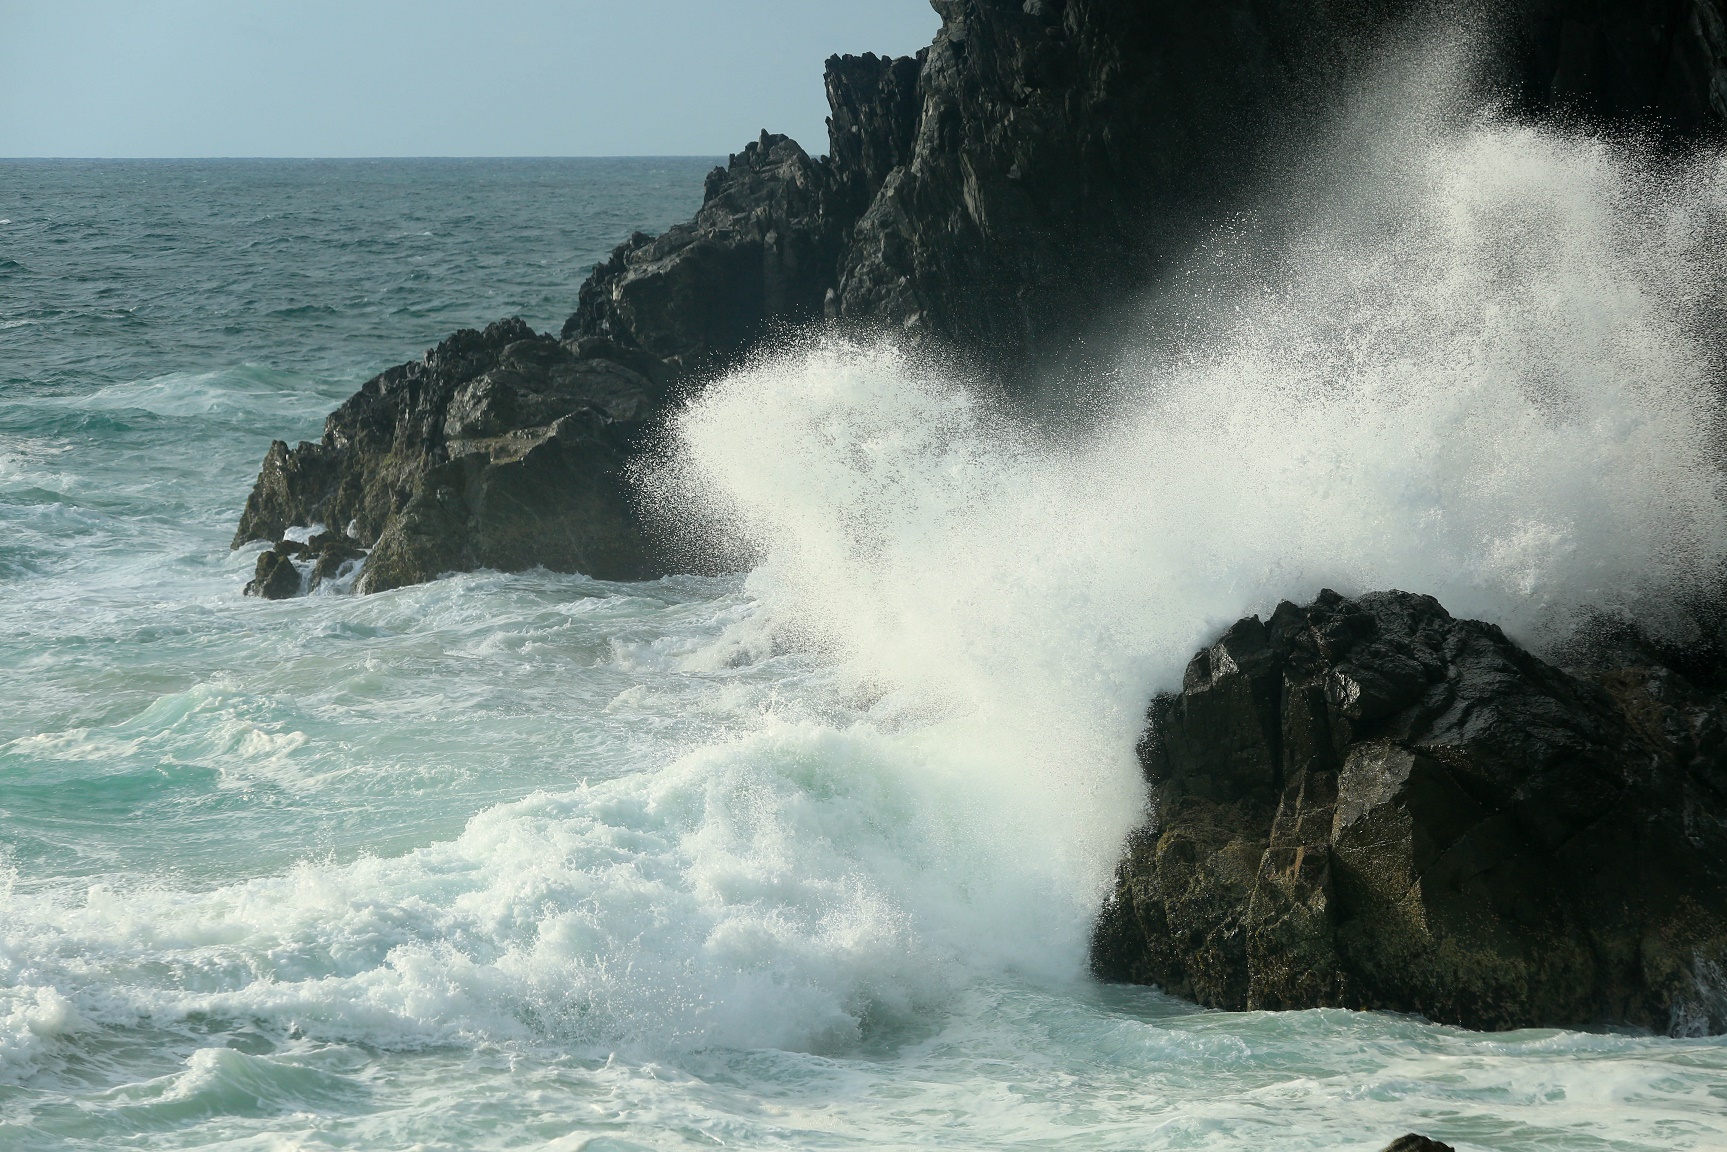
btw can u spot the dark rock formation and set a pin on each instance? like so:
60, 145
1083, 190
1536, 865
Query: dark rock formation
1665, 59
331, 554
1004, 188
998, 193
293, 566
276, 577
501, 449
1415, 1143
766, 246
762, 247
1370, 804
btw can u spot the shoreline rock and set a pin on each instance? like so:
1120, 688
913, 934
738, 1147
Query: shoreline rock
1000, 194
502, 449
1002, 191
1369, 804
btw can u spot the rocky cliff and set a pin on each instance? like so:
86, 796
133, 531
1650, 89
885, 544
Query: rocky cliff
997, 193
1003, 189
1369, 804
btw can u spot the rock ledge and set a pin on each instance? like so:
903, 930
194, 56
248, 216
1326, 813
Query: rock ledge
1369, 804
500, 449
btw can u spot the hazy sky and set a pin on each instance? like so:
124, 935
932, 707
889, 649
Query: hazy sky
427, 77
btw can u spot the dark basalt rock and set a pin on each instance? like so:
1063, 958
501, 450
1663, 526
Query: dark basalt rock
765, 248
292, 567
276, 577
501, 449
997, 193
762, 247
1368, 804
1003, 189
1415, 1143
1620, 58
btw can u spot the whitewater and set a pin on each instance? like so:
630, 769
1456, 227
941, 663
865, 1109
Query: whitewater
804, 857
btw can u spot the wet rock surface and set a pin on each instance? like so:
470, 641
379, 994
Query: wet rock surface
500, 449
1369, 804
276, 577
294, 567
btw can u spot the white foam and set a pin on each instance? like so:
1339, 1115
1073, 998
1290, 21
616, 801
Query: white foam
1493, 394
205, 726
31, 1018
1481, 374
247, 392
791, 888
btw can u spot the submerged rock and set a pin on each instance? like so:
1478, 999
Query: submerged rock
277, 577
502, 449
1368, 804
1415, 1143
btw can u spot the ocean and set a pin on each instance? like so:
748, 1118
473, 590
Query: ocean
804, 857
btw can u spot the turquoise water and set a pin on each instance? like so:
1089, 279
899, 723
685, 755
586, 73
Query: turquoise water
533, 861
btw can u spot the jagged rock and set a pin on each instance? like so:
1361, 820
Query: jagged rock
1415, 1143
276, 577
1063, 149
501, 449
874, 102
1368, 804
1004, 188
765, 247
1067, 148
292, 567
999, 192
331, 554
762, 247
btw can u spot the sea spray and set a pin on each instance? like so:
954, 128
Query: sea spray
1485, 371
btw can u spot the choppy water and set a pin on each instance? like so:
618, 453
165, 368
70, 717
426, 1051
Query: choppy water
800, 860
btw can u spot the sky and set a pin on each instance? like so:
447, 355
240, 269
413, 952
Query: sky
428, 77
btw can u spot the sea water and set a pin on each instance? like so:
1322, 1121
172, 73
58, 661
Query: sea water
804, 857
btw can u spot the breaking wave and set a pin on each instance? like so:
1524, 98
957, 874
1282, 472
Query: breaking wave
1483, 371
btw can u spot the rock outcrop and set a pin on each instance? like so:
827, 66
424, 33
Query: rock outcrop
997, 193
764, 252
500, 449
1003, 189
1369, 804
763, 247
